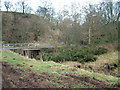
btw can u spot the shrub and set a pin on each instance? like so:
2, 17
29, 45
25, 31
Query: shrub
88, 58
99, 51
70, 54
45, 56
85, 54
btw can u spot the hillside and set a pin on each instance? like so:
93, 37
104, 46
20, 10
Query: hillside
22, 72
28, 28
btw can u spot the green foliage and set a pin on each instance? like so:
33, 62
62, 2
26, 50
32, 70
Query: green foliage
47, 56
99, 51
70, 54
84, 54
15, 59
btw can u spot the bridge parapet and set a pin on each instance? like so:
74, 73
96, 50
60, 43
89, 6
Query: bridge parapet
28, 46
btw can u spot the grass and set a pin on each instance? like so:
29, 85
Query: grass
15, 59
110, 79
82, 84
52, 67
111, 57
56, 84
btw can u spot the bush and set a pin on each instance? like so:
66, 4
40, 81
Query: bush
88, 58
45, 56
85, 54
70, 54
99, 51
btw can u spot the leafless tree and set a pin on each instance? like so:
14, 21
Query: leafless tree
8, 5
23, 6
45, 10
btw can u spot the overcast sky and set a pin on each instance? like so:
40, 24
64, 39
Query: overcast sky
57, 4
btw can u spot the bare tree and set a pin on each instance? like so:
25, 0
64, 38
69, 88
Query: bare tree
42, 11
117, 10
23, 6
46, 10
75, 12
109, 10
93, 21
8, 5
28, 10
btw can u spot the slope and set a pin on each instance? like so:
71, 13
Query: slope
21, 72
27, 28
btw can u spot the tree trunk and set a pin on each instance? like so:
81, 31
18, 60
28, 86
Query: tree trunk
89, 41
23, 5
7, 9
23, 10
118, 16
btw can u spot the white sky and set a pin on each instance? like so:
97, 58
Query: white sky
57, 4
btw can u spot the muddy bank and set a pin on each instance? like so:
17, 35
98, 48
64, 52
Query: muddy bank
17, 78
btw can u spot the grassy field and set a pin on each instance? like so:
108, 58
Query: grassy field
60, 70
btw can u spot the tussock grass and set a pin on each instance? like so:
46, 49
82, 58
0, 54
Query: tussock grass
108, 58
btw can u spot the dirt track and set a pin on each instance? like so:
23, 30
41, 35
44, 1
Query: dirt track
17, 78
